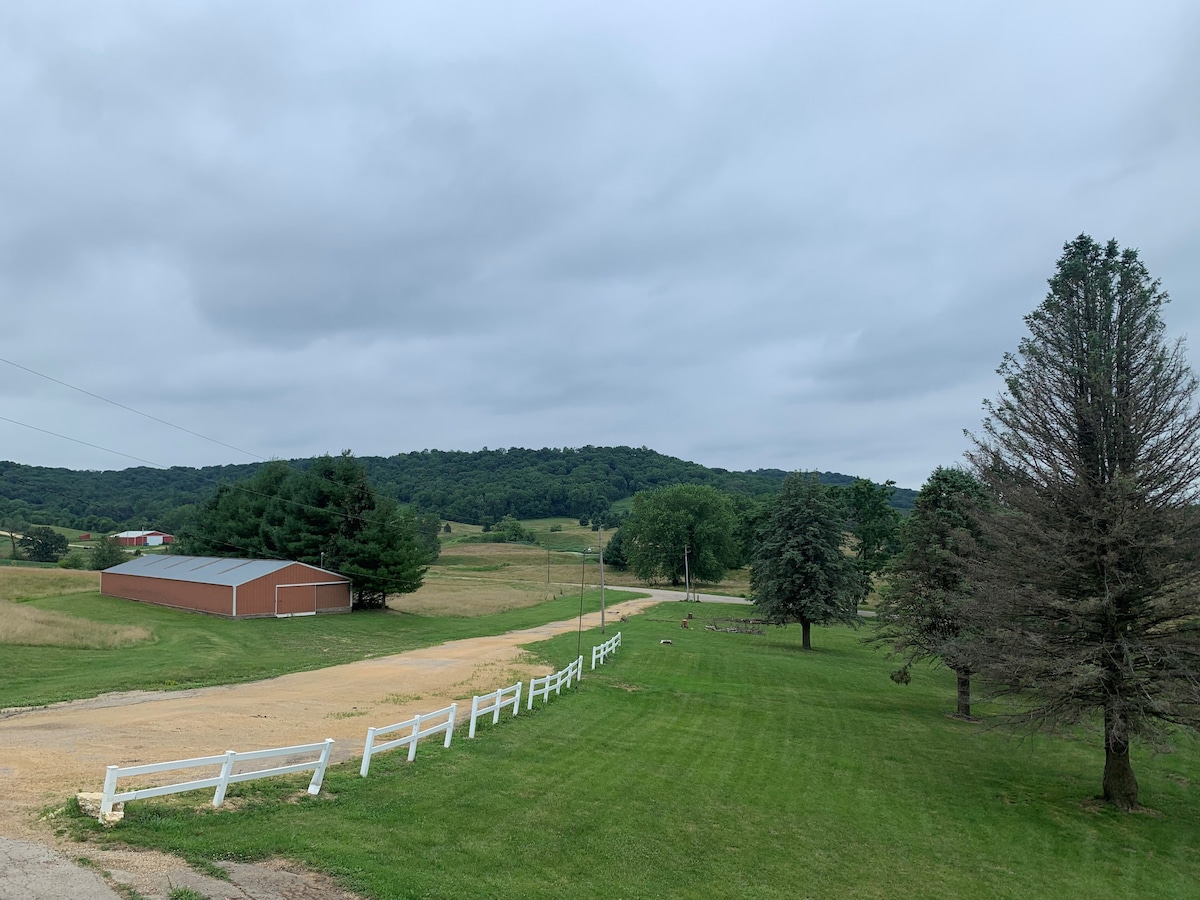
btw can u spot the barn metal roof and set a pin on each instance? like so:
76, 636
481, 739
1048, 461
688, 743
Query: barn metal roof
207, 569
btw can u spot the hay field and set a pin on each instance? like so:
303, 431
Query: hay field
28, 626
476, 579
28, 583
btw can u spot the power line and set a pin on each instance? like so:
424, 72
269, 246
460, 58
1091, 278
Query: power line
131, 409
84, 443
138, 412
232, 485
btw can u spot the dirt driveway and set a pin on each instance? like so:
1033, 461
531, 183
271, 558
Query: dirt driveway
47, 755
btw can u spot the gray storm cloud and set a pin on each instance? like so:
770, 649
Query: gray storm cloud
764, 234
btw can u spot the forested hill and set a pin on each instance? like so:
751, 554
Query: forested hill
462, 486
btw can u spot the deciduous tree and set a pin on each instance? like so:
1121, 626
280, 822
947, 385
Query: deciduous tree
799, 572
106, 553
1093, 453
668, 522
874, 523
43, 544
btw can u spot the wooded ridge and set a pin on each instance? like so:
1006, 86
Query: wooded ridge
465, 486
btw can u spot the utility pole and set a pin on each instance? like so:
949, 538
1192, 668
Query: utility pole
601, 528
687, 578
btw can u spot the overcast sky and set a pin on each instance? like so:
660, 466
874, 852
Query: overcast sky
751, 234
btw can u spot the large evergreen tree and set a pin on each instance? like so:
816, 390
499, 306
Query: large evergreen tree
1093, 567
923, 612
799, 572
327, 515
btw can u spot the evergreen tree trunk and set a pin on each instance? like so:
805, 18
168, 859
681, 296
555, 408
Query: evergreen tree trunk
964, 691
805, 634
1120, 785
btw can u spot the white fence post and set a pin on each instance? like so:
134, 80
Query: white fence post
110, 788
474, 716
366, 763
318, 779
449, 729
412, 741
226, 771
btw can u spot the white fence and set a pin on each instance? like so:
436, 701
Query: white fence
606, 649
541, 687
495, 702
227, 776
415, 735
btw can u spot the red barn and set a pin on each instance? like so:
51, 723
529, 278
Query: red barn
237, 588
144, 538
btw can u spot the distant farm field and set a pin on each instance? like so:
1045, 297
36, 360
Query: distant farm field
720, 765
561, 557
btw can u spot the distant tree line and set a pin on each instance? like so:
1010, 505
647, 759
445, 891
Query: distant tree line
479, 487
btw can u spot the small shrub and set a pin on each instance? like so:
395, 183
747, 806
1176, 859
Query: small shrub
76, 559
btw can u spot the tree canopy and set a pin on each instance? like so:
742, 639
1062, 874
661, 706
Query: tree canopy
106, 553
42, 544
1093, 453
475, 487
923, 612
680, 530
799, 572
327, 516
874, 524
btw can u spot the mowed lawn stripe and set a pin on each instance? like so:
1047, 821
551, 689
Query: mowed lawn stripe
720, 765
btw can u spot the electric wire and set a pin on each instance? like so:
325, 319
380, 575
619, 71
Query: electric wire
131, 409
232, 485
146, 415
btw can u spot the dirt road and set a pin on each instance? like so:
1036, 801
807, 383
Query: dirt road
47, 755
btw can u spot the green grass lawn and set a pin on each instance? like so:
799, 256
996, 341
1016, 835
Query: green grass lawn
192, 650
723, 765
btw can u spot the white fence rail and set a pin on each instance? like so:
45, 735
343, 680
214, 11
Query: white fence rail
608, 648
227, 776
541, 687
417, 732
494, 703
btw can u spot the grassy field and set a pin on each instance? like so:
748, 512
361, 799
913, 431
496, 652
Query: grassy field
182, 649
560, 557
723, 765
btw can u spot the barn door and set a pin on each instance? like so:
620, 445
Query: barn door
296, 600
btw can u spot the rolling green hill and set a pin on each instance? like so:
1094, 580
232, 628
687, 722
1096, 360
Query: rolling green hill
459, 485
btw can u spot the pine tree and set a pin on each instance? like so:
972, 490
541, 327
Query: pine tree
799, 572
1093, 455
923, 610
